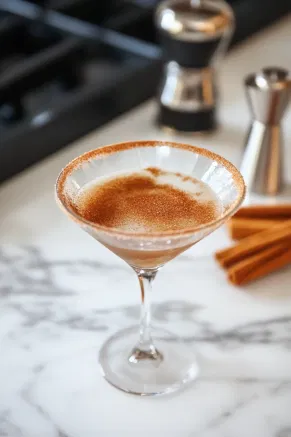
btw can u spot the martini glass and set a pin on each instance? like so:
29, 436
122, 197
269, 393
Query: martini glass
141, 360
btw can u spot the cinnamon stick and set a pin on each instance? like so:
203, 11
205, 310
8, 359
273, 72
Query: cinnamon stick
255, 243
240, 228
281, 211
260, 264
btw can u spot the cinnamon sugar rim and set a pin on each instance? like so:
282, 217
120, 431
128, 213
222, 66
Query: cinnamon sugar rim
120, 147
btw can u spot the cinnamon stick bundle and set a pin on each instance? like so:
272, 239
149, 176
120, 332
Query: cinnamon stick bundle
280, 233
240, 228
260, 264
274, 212
264, 242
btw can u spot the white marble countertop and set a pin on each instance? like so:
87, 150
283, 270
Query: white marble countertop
62, 294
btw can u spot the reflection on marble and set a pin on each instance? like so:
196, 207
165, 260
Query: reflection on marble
56, 313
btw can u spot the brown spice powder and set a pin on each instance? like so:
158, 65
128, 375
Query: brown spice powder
138, 202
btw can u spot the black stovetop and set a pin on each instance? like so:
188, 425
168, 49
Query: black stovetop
70, 68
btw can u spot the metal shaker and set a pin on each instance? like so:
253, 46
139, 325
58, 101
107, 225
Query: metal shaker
194, 35
268, 95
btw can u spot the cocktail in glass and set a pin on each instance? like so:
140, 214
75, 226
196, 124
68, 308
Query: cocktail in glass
141, 360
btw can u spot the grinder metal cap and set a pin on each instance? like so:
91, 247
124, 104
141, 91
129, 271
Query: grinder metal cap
194, 20
194, 32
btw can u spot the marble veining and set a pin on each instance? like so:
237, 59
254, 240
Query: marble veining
57, 312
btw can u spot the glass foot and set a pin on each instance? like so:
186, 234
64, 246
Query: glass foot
164, 369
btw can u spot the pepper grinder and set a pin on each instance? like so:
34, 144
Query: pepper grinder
268, 95
194, 34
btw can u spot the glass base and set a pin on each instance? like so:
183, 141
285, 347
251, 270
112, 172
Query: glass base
165, 369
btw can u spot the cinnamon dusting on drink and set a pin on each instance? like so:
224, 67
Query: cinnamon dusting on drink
156, 171
145, 201
102, 152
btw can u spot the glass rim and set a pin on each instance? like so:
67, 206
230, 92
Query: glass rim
119, 147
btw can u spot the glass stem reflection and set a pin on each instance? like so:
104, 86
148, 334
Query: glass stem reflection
145, 350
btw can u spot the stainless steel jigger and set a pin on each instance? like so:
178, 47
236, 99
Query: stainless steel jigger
268, 94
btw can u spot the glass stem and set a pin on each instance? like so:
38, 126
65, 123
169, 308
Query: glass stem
145, 282
145, 350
